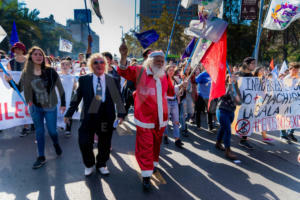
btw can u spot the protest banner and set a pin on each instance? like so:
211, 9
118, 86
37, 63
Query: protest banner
13, 111
268, 105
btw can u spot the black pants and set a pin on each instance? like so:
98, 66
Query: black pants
128, 102
87, 130
69, 125
201, 106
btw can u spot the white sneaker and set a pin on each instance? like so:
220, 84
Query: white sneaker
88, 171
104, 170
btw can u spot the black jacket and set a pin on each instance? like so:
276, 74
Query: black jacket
91, 106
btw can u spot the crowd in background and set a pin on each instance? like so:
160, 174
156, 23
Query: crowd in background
187, 103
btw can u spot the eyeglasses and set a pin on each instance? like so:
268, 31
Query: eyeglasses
98, 62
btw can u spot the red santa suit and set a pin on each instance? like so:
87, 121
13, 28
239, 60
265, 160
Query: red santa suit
150, 114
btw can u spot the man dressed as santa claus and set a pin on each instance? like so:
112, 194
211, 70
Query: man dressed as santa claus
150, 108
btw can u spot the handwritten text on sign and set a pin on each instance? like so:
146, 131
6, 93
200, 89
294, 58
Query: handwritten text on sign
268, 105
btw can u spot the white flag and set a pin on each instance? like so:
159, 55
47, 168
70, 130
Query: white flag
281, 14
208, 4
200, 50
65, 45
283, 68
3, 34
211, 28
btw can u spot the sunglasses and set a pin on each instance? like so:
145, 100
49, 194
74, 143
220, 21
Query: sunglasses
98, 62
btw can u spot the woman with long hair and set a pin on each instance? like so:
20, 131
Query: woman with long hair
186, 106
172, 107
38, 81
225, 114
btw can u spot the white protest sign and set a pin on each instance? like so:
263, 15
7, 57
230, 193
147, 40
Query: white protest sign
65, 45
268, 105
13, 112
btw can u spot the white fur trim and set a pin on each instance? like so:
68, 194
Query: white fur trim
159, 102
156, 53
144, 125
155, 164
147, 173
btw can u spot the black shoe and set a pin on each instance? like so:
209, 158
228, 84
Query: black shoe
155, 169
32, 128
24, 132
179, 144
286, 139
57, 149
292, 137
166, 140
210, 128
40, 161
244, 143
146, 183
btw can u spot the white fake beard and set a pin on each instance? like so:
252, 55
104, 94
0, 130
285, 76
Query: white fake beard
158, 72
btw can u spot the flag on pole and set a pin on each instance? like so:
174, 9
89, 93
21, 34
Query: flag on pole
96, 9
211, 28
189, 49
275, 72
65, 45
214, 61
281, 14
147, 38
283, 68
14, 35
272, 64
200, 50
3, 34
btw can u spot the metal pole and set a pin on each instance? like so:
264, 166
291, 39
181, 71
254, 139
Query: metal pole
134, 15
259, 30
179, 2
87, 19
122, 31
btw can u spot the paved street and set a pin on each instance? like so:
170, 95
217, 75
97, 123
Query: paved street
197, 172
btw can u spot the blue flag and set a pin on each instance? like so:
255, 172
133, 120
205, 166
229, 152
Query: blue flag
14, 35
147, 38
189, 49
275, 72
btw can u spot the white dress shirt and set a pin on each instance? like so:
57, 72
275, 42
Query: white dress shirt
95, 82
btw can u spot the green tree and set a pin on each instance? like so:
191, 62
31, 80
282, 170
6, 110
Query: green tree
163, 27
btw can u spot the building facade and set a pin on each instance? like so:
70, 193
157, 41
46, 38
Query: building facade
153, 9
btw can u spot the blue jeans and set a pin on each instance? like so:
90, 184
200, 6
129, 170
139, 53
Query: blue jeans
173, 111
183, 114
225, 119
38, 115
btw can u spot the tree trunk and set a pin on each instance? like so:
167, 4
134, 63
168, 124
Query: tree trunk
285, 43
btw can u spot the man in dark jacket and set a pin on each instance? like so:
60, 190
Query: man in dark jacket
100, 94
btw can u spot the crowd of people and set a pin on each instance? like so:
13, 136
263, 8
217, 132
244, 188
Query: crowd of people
167, 97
